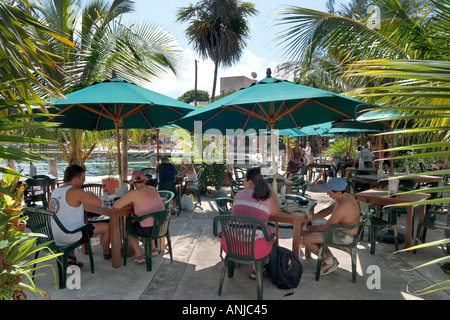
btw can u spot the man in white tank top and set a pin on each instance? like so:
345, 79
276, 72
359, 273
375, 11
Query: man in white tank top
67, 203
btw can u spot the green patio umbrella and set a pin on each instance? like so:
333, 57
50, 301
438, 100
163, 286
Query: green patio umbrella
272, 104
116, 104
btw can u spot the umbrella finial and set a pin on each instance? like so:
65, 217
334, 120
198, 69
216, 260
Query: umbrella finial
269, 73
114, 73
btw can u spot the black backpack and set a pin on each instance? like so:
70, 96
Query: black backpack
288, 270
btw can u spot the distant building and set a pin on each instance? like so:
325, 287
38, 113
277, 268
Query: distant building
234, 83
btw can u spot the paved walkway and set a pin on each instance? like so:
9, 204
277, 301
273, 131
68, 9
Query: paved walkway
194, 274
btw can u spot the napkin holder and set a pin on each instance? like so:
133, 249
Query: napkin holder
393, 186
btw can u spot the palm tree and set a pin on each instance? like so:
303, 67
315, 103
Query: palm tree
139, 53
23, 73
384, 64
407, 64
404, 34
218, 30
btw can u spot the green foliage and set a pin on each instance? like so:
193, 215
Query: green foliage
403, 66
189, 96
16, 246
340, 145
218, 30
213, 176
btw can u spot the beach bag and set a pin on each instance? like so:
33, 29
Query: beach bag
186, 203
288, 270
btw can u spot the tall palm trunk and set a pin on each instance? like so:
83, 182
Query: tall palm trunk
216, 68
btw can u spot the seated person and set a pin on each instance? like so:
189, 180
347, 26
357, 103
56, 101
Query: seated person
257, 200
384, 155
332, 171
358, 157
145, 199
346, 162
295, 160
367, 157
344, 211
66, 202
166, 172
189, 172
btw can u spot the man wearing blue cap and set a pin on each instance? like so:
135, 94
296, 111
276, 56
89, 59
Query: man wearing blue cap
344, 211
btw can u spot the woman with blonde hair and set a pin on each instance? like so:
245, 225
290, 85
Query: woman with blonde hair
189, 172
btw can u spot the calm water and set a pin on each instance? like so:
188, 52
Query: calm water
95, 166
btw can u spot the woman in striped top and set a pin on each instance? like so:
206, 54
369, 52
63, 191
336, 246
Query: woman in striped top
257, 200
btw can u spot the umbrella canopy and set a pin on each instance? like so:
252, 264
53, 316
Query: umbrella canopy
116, 104
272, 104
275, 104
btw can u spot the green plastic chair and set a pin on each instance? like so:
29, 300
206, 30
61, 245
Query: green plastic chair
39, 221
300, 185
172, 187
239, 173
236, 185
240, 233
224, 205
354, 186
350, 249
436, 218
38, 187
160, 229
168, 195
376, 224
96, 188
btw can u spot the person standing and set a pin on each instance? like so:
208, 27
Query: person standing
166, 171
295, 160
308, 153
384, 155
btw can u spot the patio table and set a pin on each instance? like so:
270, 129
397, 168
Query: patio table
114, 227
381, 198
376, 182
418, 179
370, 179
352, 170
296, 220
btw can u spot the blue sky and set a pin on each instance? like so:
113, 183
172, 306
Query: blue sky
259, 54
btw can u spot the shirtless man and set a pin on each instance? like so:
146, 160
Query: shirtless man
344, 211
67, 203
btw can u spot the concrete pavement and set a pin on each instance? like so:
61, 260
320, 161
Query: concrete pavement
195, 272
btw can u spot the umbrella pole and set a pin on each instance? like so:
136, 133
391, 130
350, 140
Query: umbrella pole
390, 154
119, 162
274, 164
288, 152
157, 145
